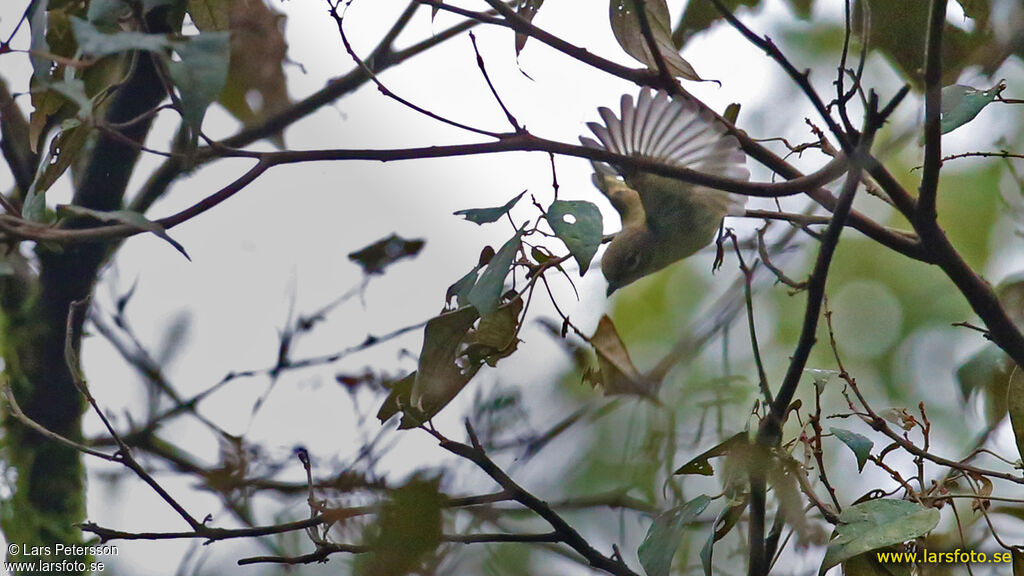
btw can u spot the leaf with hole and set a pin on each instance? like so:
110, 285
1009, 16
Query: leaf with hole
629, 34
440, 376
201, 75
961, 104
579, 225
700, 464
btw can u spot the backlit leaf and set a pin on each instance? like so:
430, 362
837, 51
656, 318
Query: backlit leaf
201, 74
860, 445
961, 104
664, 536
484, 295
488, 215
629, 34
877, 524
579, 225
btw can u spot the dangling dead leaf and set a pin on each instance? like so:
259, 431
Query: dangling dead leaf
629, 34
256, 86
616, 372
441, 376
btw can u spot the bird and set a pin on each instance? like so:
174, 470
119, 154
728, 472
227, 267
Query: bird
664, 220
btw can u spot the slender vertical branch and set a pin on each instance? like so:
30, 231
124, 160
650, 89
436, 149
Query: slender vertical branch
932, 111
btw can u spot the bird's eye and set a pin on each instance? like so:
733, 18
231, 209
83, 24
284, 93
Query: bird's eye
633, 262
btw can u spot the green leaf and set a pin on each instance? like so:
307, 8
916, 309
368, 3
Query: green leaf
399, 398
860, 445
662, 540
877, 524
1015, 405
38, 44
460, 289
74, 89
407, 528
201, 74
94, 43
484, 295
376, 257
700, 465
726, 521
628, 33
127, 217
960, 104
699, 16
579, 225
106, 13
63, 150
987, 375
488, 215
210, 14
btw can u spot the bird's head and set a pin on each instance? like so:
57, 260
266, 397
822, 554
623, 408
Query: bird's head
628, 258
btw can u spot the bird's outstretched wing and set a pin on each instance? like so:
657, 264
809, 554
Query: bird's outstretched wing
677, 131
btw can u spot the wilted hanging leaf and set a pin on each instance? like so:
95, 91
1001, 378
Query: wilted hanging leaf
398, 399
664, 536
92, 42
496, 335
407, 529
63, 150
900, 417
527, 9
987, 374
127, 217
617, 374
256, 86
201, 74
860, 445
440, 376
488, 215
579, 225
782, 471
961, 104
629, 35
374, 258
877, 524
484, 295
726, 521
700, 465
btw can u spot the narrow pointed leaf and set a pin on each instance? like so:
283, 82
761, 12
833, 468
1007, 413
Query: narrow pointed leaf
663, 537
